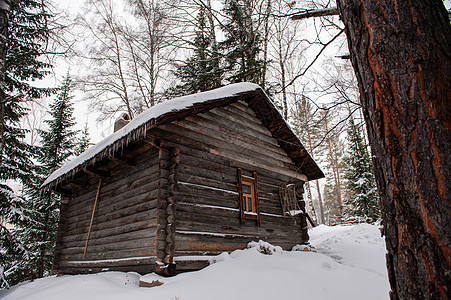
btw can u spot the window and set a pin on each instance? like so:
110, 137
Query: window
248, 195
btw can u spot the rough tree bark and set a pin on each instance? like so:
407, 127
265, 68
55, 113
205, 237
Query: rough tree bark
400, 50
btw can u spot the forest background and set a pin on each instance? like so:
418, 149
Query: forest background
99, 58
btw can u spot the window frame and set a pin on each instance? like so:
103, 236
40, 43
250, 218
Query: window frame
245, 212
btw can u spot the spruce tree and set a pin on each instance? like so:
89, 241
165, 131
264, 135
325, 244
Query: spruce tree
201, 72
58, 144
26, 41
242, 46
364, 200
84, 142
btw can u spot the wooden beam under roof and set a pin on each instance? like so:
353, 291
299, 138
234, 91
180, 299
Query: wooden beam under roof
96, 173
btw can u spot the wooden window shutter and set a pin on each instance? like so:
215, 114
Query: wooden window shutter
257, 201
240, 201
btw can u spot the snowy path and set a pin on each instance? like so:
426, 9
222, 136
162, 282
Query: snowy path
349, 264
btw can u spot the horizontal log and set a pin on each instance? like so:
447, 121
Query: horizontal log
195, 223
149, 224
196, 189
234, 158
190, 265
135, 216
198, 247
209, 215
207, 165
140, 203
98, 263
235, 148
194, 198
243, 109
129, 185
108, 206
146, 233
141, 269
237, 136
204, 196
96, 250
231, 117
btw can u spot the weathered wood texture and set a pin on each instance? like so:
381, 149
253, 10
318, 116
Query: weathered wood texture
179, 196
124, 224
401, 54
169, 158
213, 145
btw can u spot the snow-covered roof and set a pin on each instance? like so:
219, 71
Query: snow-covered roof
138, 126
179, 108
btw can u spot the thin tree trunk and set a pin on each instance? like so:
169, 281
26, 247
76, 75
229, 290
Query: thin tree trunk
401, 54
282, 79
211, 23
265, 44
121, 74
320, 200
4, 13
333, 160
309, 190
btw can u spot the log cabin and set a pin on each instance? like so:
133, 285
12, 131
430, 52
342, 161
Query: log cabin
182, 182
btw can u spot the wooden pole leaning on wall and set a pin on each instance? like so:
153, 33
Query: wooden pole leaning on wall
92, 218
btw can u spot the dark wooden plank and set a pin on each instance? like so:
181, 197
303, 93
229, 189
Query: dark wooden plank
239, 136
223, 114
120, 219
149, 224
114, 247
113, 201
244, 158
196, 162
125, 187
127, 207
141, 269
145, 260
146, 233
218, 141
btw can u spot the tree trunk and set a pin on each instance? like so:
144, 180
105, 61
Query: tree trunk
320, 200
400, 51
4, 12
333, 161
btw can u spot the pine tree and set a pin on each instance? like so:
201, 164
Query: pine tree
201, 72
364, 200
242, 44
25, 42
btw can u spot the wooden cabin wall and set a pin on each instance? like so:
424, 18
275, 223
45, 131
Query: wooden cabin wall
124, 225
213, 146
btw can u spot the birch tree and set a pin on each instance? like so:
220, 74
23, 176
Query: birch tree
127, 58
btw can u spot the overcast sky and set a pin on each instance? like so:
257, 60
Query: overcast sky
82, 113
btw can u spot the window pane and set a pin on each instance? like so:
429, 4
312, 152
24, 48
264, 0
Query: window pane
246, 189
249, 204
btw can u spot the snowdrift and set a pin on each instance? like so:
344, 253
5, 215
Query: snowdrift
349, 264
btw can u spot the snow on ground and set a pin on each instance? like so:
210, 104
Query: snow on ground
349, 264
